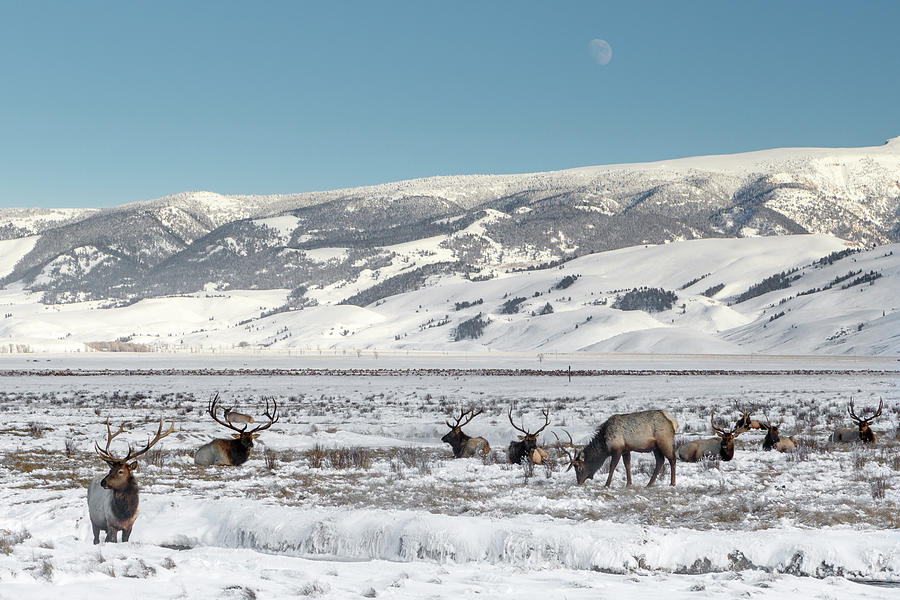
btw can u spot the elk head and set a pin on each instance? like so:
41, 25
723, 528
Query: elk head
866, 434
455, 437
745, 423
576, 458
527, 443
772, 436
242, 435
726, 450
120, 470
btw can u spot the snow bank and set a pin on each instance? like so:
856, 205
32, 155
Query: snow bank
527, 542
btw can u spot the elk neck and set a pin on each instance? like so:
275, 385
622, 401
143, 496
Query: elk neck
125, 501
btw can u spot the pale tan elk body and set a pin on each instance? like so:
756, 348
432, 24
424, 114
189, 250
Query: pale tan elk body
465, 446
233, 452
862, 432
232, 416
113, 499
646, 431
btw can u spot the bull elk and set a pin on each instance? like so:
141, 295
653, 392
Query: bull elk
746, 423
233, 452
526, 445
113, 499
774, 441
463, 445
863, 432
646, 431
722, 445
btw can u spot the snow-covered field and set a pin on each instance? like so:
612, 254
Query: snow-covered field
351, 494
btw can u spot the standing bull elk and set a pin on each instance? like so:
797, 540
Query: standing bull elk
527, 443
233, 452
863, 432
646, 431
722, 445
463, 445
113, 499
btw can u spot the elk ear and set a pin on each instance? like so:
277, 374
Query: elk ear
521, 437
255, 435
236, 436
133, 466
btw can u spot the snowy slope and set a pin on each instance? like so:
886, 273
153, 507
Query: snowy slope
808, 317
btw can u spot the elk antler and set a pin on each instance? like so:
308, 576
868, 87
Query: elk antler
212, 409
105, 454
159, 435
562, 446
272, 417
108, 457
860, 420
545, 412
721, 432
472, 414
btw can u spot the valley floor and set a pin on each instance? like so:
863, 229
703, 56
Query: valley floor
351, 494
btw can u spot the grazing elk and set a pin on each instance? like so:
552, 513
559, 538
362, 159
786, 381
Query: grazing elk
863, 433
232, 416
234, 452
113, 499
722, 445
774, 441
646, 431
527, 443
463, 445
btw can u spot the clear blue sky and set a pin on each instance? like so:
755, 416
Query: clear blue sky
103, 103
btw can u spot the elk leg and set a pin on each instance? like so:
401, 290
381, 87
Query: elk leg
96, 533
111, 535
613, 462
658, 455
126, 533
626, 460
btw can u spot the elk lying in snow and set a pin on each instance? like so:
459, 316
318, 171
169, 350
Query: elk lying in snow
463, 445
862, 433
774, 441
722, 445
745, 423
527, 443
232, 416
646, 431
113, 499
234, 452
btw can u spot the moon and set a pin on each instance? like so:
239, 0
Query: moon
601, 51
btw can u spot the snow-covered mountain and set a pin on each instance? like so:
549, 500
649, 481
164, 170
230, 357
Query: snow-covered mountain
806, 294
480, 225
335, 254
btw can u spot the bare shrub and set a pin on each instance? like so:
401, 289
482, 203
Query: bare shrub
36, 430
155, 457
416, 458
71, 448
8, 539
271, 458
349, 458
314, 588
315, 456
879, 486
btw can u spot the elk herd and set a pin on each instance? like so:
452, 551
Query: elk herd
113, 498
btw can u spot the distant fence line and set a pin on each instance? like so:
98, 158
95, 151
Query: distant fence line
438, 372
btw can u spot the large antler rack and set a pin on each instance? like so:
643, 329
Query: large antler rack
563, 445
471, 415
545, 412
858, 420
107, 456
213, 409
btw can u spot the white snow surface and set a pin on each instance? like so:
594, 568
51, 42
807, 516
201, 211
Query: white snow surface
460, 528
